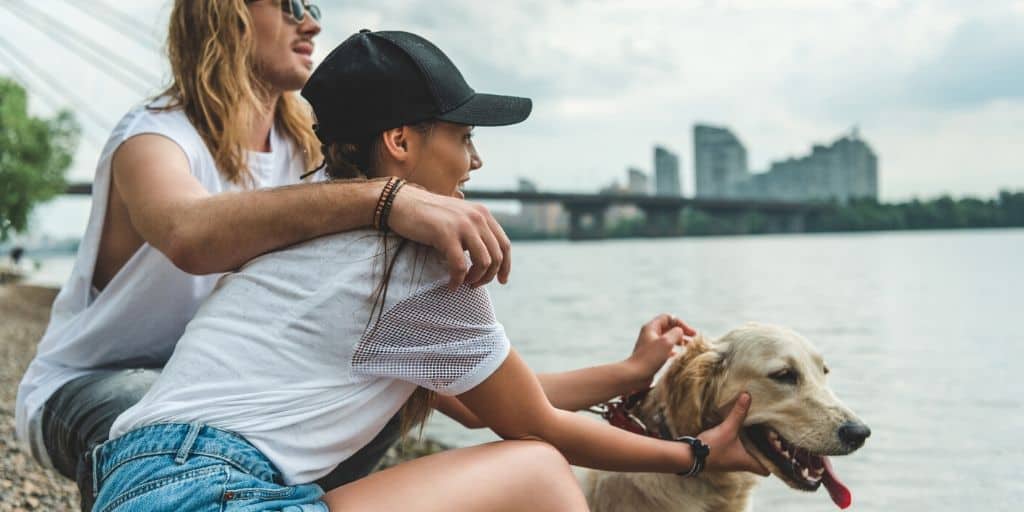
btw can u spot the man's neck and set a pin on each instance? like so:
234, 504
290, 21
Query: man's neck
262, 122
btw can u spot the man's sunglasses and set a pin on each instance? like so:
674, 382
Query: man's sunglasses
297, 9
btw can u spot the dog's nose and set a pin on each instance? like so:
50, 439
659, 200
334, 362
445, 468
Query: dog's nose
853, 434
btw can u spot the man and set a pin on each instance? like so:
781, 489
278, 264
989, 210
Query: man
194, 184
189, 187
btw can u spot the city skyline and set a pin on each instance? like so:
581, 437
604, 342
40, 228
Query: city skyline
933, 85
842, 170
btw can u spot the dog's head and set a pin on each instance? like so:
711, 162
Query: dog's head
795, 421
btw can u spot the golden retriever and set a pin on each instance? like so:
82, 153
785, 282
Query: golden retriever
794, 423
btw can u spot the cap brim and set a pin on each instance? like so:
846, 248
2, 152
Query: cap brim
490, 110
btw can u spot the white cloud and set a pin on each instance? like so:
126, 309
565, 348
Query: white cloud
610, 79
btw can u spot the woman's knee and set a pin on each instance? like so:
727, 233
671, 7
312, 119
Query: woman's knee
540, 462
540, 455
546, 473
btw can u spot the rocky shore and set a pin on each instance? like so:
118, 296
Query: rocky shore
24, 485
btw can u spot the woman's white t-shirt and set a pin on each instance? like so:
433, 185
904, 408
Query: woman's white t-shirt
137, 318
290, 353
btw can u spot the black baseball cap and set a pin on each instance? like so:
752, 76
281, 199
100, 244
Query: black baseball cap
375, 81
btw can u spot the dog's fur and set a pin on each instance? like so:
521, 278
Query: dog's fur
695, 393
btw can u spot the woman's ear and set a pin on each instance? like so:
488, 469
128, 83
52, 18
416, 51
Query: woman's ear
395, 143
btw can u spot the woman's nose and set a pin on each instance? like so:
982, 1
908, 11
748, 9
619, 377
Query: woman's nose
475, 162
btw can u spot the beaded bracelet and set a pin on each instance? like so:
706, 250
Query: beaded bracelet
379, 209
386, 213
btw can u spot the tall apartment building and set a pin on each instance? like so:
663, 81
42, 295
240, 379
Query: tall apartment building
540, 217
846, 169
843, 170
637, 182
666, 173
720, 161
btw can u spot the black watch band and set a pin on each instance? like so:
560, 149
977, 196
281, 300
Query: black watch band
700, 455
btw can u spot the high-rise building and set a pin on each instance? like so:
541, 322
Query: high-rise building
545, 218
846, 169
666, 172
843, 170
638, 182
720, 161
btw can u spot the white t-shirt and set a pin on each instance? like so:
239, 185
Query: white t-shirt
137, 318
285, 352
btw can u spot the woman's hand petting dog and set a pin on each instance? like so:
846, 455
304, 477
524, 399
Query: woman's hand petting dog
654, 345
727, 451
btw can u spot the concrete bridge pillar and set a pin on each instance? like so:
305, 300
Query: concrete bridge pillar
796, 222
787, 222
586, 220
662, 220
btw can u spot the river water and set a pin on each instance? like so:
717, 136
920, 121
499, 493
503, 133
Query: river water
922, 331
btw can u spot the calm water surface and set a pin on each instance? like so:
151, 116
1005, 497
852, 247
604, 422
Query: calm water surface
922, 332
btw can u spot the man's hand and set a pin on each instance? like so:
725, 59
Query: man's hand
453, 226
727, 451
655, 344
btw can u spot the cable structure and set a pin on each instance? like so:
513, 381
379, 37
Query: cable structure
53, 102
126, 24
125, 19
77, 102
100, 57
98, 49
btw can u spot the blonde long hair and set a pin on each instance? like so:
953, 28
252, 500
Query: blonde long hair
214, 81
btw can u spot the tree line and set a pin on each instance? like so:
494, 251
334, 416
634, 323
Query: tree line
1006, 210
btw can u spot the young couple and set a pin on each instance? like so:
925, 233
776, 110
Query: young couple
290, 376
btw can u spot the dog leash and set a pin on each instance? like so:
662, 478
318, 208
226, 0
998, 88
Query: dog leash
619, 413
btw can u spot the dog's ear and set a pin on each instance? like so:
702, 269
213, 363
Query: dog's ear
689, 384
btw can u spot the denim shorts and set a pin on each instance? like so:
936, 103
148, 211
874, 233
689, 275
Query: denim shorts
177, 467
79, 415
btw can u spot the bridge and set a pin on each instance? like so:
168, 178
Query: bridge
661, 213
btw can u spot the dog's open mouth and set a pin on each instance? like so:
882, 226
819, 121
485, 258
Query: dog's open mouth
798, 467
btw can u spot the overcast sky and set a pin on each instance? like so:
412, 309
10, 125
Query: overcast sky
936, 87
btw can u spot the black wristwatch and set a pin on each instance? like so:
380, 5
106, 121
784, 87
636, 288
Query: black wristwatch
700, 455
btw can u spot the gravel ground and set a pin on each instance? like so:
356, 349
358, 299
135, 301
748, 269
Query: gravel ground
24, 484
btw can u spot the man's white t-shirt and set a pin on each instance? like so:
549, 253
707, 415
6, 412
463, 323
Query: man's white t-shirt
290, 352
139, 316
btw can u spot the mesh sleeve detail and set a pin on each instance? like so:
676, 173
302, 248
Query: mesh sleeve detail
445, 341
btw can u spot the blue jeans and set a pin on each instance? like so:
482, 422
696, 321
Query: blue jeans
181, 468
79, 415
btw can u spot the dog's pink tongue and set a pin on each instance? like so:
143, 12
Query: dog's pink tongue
839, 493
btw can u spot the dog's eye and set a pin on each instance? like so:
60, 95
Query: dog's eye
786, 376
825, 369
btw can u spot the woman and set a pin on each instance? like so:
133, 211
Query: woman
298, 359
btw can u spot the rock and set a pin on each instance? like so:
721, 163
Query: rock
409, 449
30, 489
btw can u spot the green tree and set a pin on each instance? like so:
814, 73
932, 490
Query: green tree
34, 157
